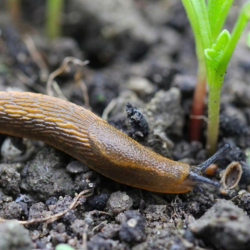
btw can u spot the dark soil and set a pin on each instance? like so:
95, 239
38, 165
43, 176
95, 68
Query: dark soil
142, 66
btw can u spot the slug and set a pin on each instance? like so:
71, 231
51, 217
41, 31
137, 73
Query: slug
88, 138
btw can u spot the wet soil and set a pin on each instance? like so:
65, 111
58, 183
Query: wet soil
141, 78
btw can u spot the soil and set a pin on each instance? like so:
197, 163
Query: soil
141, 78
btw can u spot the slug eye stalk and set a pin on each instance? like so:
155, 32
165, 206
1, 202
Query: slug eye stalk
196, 172
203, 166
201, 179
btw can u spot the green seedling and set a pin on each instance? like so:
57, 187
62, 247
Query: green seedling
53, 18
214, 49
64, 247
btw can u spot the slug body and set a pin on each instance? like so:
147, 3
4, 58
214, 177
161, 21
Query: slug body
91, 140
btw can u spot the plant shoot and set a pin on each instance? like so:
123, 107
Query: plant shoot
214, 49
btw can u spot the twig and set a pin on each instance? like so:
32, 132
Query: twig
108, 109
99, 212
29, 82
37, 58
81, 83
57, 216
84, 238
99, 226
65, 68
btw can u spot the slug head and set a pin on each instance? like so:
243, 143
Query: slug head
196, 173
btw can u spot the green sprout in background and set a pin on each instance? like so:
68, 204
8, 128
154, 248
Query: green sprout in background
64, 247
248, 39
214, 49
53, 20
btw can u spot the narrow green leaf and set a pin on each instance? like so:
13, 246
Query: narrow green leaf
198, 16
241, 22
248, 39
223, 39
246, 10
54, 10
217, 13
214, 53
210, 54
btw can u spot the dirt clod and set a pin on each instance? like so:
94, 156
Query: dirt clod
110, 231
132, 230
62, 204
38, 210
78, 227
98, 201
14, 236
13, 210
224, 221
137, 121
46, 176
10, 179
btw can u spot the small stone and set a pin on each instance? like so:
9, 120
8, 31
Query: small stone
14, 236
133, 229
76, 167
78, 227
13, 210
98, 201
110, 231
125, 198
224, 221
10, 152
140, 85
132, 223
119, 202
10, 179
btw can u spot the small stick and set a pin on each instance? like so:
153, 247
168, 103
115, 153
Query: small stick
108, 109
65, 68
57, 216
35, 55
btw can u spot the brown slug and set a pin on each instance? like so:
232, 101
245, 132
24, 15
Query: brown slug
91, 140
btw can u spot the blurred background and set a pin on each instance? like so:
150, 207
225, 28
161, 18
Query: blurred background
146, 39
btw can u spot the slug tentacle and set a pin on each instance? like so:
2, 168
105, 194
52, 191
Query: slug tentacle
91, 140
203, 166
201, 179
195, 173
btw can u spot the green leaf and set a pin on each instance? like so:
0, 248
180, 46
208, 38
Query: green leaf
217, 13
63, 247
214, 54
248, 39
246, 10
